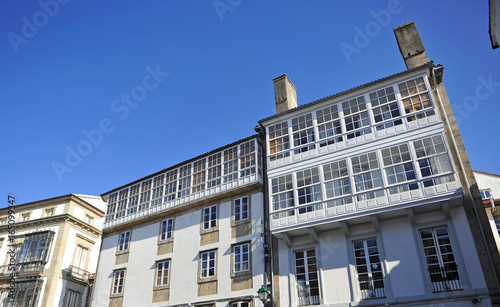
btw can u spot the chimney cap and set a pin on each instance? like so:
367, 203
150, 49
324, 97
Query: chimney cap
282, 77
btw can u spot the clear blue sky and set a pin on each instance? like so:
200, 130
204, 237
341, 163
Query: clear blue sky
209, 71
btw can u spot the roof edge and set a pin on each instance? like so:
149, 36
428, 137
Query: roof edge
179, 164
426, 65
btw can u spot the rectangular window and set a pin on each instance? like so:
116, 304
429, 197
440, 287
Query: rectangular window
49, 212
241, 209
369, 269
441, 263
231, 164
162, 273
27, 294
278, 140
199, 175
133, 199
207, 264
210, 217
214, 170
337, 181
241, 257
122, 203
385, 108
118, 282
3, 222
366, 172
25, 217
80, 257
356, 118
416, 99
247, 159
432, 156
240, 304
35, 249
170, 185
303, 133
124, 241
72, 299
486, 194
398, 165
306, 273
184, 181
157, 192
145, 195
110, 212
282, 192
329, 126
308, 187
166, 229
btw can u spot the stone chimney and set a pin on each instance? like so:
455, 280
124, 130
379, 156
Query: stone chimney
410, 45
285, 94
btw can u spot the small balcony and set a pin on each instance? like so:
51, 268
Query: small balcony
307, 295
445, 279
78, 274
32, 267
371, 287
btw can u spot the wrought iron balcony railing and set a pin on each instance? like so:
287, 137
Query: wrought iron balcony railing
371, 286
78, 273
307, 295
32, 267
445, 279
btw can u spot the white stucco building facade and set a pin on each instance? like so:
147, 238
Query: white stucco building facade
366, 196
189, 235
52, 248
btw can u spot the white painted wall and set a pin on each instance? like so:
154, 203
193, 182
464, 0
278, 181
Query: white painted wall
486, 181
141, 266
400, 249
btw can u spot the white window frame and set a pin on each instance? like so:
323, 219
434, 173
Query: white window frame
356, 117
304, 285
210, 216
166, 229
368, 288
279, 141
329, 125
432, 157
241, 258
282, 196
80, 257
241, 208
208, 264
384, 106
124, 241
118, 282
303, 133
162, 273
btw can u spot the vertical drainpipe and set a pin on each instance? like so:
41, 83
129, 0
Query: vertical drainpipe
268, 263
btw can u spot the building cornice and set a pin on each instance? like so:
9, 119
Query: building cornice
52, 221
54, 201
